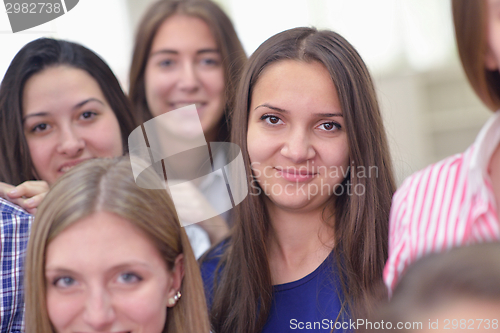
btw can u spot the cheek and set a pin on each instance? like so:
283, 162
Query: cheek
337, 161
157, 87
146, 308
255, 144
62, 310
40, 153
106, 140
214, 83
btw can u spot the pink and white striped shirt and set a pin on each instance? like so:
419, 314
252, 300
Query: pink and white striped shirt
448, 204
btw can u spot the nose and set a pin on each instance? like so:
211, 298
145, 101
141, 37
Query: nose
99, 313
188, 78
298, 147
70, 142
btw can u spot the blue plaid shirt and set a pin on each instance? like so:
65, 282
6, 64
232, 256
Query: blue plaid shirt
15, 226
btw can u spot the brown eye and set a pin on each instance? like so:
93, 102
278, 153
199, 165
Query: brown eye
330, 126
270, 119
273, 120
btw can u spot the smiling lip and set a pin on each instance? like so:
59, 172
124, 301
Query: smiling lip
294, 175
69, 165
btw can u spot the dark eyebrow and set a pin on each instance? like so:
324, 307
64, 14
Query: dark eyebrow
92, 99
327, 115
174, 52
79, 105
39, 114
207, 51
164, 51
265, 105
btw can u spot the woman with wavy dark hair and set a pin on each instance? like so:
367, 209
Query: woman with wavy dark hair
60, 104
310, 241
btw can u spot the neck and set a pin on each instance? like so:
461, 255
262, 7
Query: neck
299, 241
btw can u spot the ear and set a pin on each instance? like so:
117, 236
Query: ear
490, 61
177, 276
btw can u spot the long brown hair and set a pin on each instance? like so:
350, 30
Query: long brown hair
15, 159
243, 291
108, 185
231, 50
471, 31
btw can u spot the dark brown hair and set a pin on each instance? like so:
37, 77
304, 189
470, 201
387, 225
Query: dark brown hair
108, 185
15, 160
232, 53
464, 273
471, 31
243, 291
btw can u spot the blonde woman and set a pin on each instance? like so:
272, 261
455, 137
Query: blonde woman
107, 255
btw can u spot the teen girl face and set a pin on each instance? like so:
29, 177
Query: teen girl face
296, 138
67, 120
185, 67
105, 275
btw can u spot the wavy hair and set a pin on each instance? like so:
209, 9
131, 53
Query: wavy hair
16, 165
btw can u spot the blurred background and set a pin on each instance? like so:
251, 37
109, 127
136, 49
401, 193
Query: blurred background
429, 109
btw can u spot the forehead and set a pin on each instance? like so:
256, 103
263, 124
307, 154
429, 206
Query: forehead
55, 84
100, 241
183, 32
297, 85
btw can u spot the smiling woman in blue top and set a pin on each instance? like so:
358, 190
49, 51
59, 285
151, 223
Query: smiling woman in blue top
310, 241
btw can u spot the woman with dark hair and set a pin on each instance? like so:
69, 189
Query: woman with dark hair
57, 88
310, 241
60, 105
187, 52
455, 201
107, 255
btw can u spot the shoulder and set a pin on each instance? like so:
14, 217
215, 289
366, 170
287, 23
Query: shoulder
15, 224
421, 208
7, 208
425, 183
13, 219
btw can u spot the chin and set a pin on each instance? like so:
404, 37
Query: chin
295, 202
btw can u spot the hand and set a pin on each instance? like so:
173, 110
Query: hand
193, 207
28, 195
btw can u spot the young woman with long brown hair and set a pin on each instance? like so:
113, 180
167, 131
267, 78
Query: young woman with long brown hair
187, 52
310, 240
